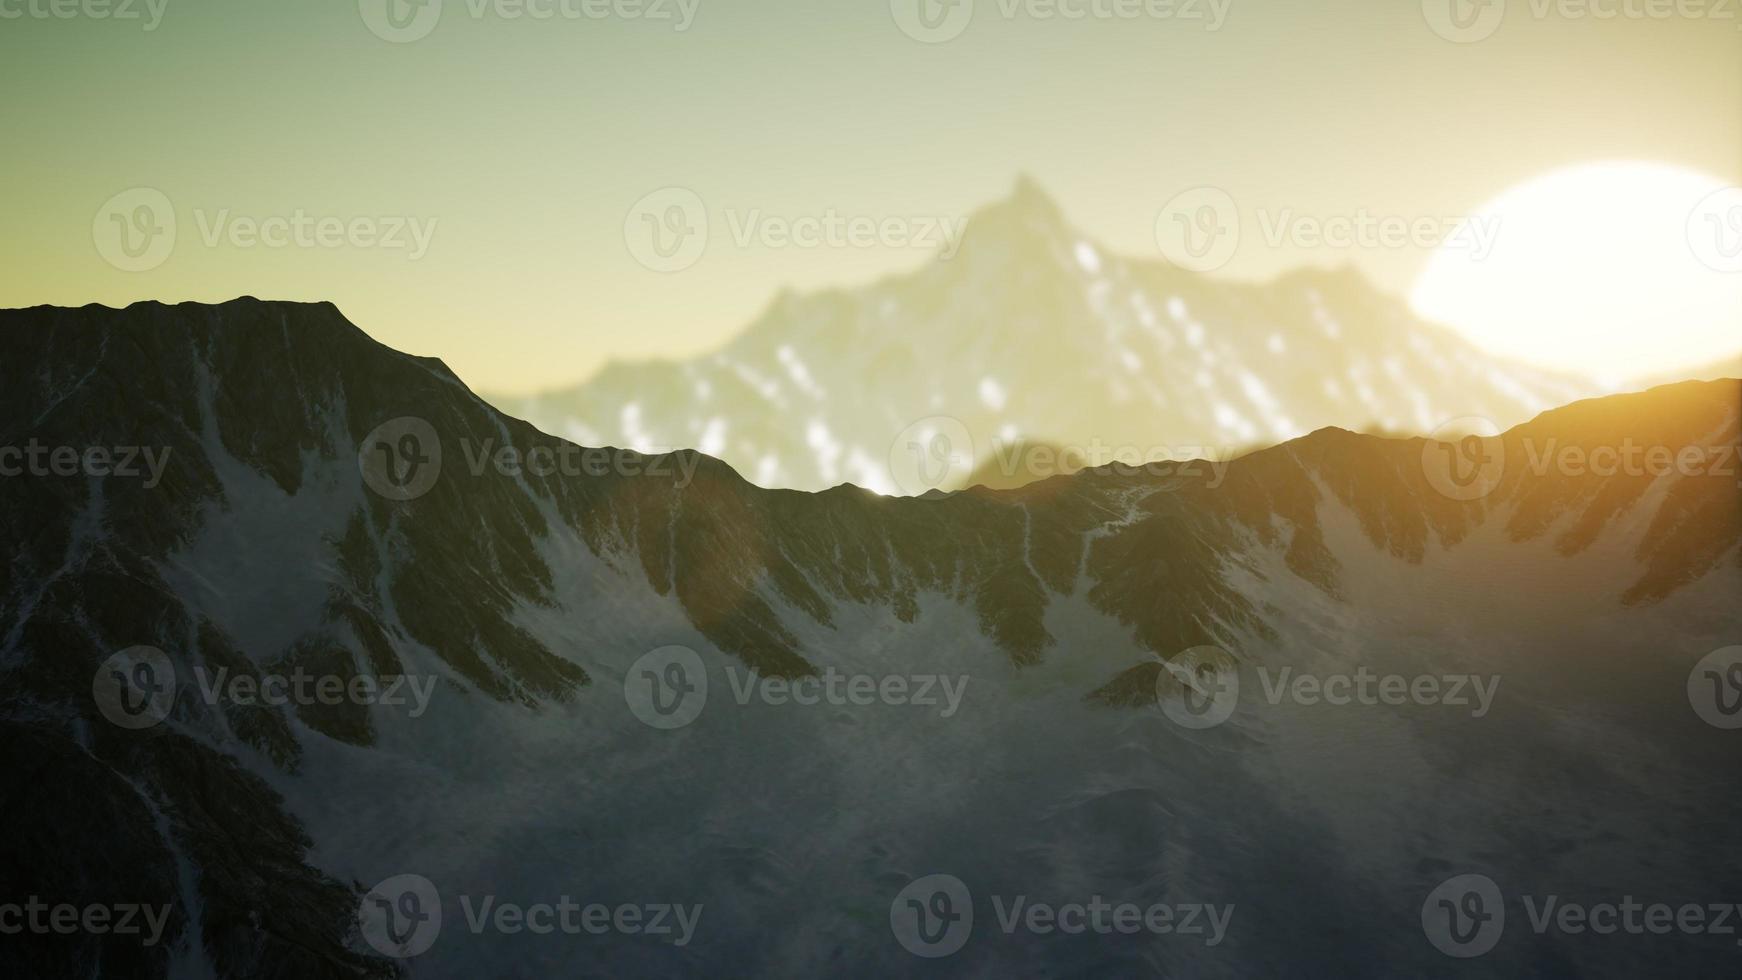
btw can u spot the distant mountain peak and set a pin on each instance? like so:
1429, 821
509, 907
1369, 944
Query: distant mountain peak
1028, 213
1027, 195
1032, 331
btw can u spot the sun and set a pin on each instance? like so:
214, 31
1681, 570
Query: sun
1616, 270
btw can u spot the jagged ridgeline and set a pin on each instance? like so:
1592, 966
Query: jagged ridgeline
1031, 332
238, 526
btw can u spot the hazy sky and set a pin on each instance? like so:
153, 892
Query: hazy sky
519, 145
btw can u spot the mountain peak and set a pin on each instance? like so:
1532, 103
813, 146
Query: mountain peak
1028, 195
1032, 331
1030, 202
1028, 214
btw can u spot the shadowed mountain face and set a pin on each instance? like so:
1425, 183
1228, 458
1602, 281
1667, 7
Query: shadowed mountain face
310, 503
1032, 332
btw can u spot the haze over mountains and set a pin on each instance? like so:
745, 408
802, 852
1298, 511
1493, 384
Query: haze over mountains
1031, 333
530, 598
1718, 370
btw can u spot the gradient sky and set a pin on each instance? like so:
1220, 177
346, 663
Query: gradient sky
528, 141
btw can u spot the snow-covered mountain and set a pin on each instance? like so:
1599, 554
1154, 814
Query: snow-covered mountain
1033, 333
305, 501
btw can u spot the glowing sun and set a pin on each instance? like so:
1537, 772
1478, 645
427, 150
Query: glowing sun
1615, 270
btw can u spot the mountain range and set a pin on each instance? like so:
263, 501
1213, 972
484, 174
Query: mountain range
1031, 333
327, 506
